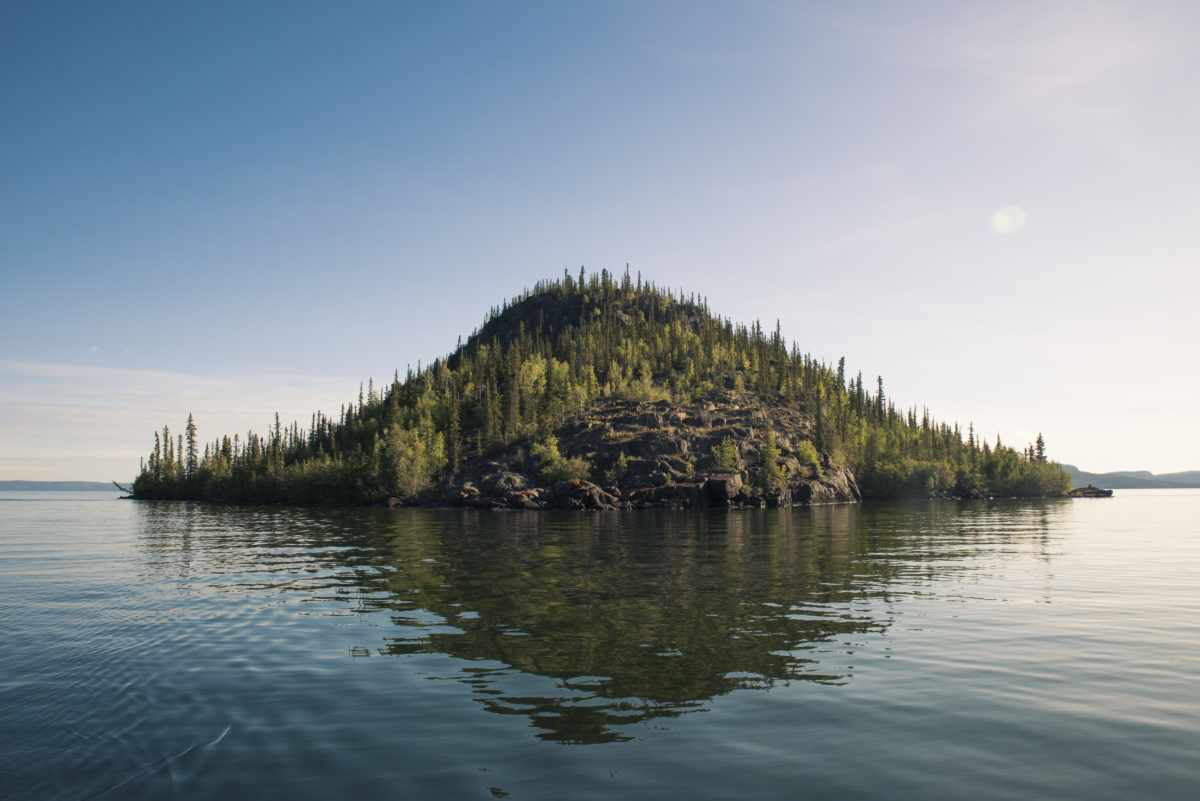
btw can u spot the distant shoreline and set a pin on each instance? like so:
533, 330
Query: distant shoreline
57, 486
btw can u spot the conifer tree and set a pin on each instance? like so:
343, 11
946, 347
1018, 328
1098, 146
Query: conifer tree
770, 475
193, 461
725, 456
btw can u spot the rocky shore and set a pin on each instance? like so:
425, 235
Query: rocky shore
1090, 492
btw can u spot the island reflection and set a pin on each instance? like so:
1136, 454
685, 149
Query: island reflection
584, 623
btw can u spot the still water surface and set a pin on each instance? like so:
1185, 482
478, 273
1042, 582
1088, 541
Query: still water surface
990, 650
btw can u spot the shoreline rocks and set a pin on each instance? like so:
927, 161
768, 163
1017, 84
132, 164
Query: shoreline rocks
1089, 492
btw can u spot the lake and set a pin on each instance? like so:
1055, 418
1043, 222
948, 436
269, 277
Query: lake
983, 650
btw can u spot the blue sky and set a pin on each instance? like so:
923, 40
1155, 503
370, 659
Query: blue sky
238, 208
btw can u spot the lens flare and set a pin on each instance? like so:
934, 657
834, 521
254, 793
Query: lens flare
1008, 220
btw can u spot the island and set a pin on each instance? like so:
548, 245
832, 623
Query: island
606, 392
1090, 492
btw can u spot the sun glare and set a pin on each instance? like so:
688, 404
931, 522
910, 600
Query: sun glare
1008, 220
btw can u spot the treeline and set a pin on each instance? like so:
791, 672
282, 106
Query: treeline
547, 356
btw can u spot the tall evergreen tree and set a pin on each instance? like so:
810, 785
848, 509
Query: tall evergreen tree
193, 460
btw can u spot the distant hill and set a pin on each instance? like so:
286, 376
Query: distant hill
1133, 479
1190, 477
57, 486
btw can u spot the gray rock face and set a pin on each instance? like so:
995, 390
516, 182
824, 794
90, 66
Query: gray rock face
836, 485
659, 455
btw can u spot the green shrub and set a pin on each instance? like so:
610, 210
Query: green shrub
806, 454
555, 466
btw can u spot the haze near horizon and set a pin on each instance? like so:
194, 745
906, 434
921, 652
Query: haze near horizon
235, 210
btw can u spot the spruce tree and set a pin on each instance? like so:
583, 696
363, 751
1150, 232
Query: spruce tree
770, 475
725, 456
193, 461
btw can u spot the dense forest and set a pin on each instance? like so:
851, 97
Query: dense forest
548, 357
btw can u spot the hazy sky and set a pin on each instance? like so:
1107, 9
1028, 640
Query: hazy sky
237, 208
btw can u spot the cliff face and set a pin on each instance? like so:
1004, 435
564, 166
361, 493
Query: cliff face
661, 455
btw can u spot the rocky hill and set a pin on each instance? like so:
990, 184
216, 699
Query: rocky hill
603, 392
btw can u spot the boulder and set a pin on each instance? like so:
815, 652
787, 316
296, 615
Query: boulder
776, 498
723, 488
680, 496
525, 499
579, 494
503, 482
650, 420
836, 485
461, 495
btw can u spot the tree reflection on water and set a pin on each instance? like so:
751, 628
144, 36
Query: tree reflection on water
584, 623
636, 616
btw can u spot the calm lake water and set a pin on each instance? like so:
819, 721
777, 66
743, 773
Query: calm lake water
989, 650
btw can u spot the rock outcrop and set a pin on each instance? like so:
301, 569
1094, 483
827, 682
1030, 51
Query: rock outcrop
661, 455
1090, 492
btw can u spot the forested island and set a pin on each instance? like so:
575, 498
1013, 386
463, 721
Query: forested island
599, 391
